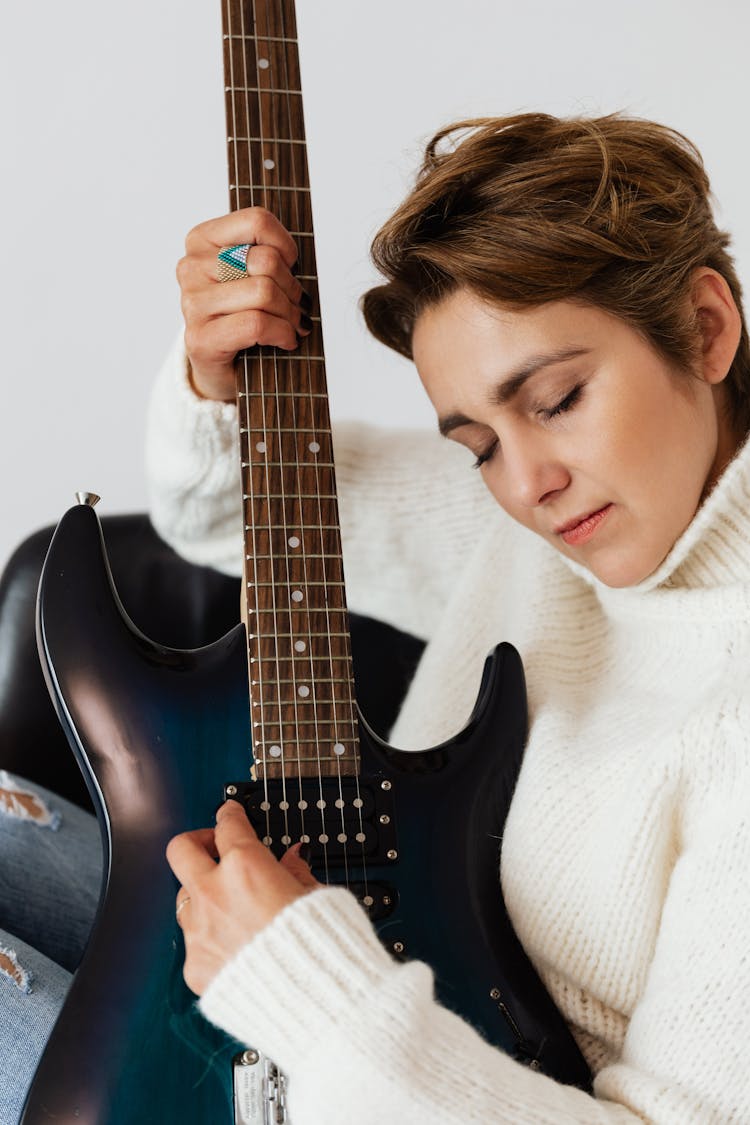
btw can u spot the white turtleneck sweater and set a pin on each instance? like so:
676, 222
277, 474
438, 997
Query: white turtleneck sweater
626, 855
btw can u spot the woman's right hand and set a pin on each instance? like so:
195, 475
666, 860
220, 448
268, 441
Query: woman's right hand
221, 318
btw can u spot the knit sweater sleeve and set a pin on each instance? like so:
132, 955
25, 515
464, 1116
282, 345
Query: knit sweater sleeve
410, 507
362, 1039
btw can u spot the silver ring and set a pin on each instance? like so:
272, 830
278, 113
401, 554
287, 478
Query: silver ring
232, 262
180, 905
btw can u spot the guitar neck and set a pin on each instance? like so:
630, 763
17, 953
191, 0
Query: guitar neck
299, 653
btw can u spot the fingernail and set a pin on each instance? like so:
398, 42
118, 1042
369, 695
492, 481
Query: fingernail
305, 322
306, 301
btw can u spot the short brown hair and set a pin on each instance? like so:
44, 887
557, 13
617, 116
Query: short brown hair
613, 211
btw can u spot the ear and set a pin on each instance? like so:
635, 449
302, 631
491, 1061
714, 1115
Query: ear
719, 323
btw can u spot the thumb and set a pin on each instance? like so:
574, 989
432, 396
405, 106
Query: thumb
296, 866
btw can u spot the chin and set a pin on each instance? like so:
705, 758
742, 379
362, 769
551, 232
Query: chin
619, 573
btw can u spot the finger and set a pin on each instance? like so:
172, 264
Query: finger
295, 865
265, 261
250, 224
245, 294
192, 854
234, 830
219, 340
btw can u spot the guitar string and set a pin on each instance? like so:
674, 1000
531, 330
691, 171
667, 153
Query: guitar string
284, 518
274, 50
300, 225
253, 619
234, 206
339, 739
262, 388
354, 746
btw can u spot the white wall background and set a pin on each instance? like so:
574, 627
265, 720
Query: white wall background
112, 147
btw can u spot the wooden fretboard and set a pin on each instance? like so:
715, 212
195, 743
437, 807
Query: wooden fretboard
304, 720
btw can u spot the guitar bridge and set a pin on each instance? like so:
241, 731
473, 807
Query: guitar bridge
259, 1090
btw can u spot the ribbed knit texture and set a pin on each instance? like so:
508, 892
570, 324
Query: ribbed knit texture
626, 855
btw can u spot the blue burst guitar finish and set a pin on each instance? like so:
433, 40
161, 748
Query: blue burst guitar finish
266, 715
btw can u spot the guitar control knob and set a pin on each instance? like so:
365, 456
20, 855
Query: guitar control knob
89, 498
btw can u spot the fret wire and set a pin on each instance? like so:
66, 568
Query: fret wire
268, 140
318, 722
259, 90
307, 582
282, 636
293, 527
303, 609
318, 680
269, 187
290, 464
288, 496
291, 758
313, 742
266, 38
300, 657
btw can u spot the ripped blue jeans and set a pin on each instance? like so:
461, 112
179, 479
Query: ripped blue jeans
50, 873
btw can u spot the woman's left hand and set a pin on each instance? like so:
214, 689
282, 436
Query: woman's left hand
222, 905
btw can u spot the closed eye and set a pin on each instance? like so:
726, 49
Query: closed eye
565, 404
486, 456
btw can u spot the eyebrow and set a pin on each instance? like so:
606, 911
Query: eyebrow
504, 391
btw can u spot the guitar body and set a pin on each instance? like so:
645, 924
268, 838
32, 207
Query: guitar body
159, 734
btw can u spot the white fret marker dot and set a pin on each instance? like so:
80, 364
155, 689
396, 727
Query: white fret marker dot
314, 447
286, 840
321, 803
304, 691
339, 803
342, 837
368, 900
260, 446
302, 805
297, 595
323, 838
283, 805
339, 748
299, 646
269, 164
293, 541
265, 806
358, 802
304, 838
360, 837
263, 64
267, 840
275, 751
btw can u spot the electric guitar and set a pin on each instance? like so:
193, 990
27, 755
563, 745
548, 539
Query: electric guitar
267, 715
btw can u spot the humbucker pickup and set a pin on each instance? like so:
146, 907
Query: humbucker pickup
346, 822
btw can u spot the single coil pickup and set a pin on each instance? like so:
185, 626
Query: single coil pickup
343, 821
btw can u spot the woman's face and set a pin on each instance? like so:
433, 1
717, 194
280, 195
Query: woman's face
582, 431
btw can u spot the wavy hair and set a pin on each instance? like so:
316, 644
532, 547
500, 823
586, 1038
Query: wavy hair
613, 211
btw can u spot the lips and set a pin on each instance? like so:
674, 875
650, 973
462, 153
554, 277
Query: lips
581, 528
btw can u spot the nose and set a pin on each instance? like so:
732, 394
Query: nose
533, 474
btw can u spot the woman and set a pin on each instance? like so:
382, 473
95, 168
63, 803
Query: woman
576, 321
